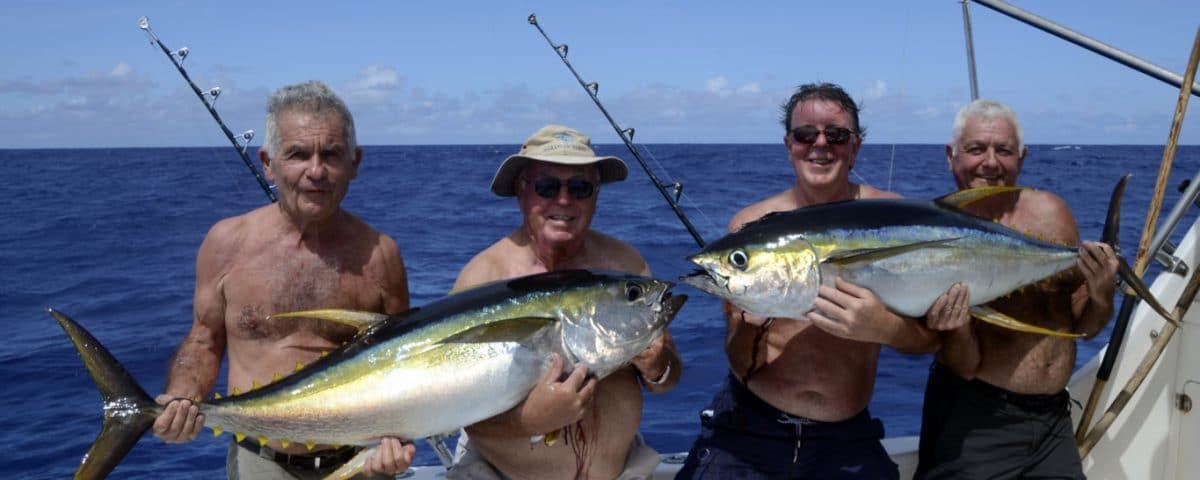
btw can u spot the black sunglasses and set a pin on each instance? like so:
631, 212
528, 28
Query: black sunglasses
833, 135
578, 188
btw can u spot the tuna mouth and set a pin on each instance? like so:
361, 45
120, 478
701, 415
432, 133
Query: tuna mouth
707, 281
671, 304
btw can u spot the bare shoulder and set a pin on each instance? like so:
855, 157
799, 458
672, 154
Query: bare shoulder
780, 202
617, 254
867, 191
486, 266
231, 235
1047, 215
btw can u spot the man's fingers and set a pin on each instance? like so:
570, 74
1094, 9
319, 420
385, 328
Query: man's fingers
555, 371
589, 388
577, 378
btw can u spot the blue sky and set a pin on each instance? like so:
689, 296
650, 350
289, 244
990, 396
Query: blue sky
81, 74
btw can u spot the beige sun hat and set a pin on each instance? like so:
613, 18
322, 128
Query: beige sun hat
556, 144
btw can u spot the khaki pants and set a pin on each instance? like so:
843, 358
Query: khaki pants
640, 463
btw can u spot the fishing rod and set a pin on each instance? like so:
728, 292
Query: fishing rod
177, 57
625, 134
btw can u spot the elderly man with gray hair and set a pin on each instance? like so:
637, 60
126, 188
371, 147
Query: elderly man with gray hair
302, 253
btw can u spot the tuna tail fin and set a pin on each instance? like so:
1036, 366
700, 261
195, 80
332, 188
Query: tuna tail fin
1111, 236
128, 409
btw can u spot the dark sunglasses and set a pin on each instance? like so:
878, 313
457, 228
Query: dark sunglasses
578, 188
833, 135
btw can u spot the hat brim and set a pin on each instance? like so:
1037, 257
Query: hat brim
611, 169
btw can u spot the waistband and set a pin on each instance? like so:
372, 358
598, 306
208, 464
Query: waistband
1027, 401
324, 459
737, 408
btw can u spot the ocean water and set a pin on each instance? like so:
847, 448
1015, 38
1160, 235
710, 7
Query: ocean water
108, 236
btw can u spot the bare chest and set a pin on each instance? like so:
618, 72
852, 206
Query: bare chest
278, 283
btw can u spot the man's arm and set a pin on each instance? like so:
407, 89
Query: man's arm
1092, 302
197, 363
395, 278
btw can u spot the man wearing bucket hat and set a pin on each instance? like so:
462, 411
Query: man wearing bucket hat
556, 177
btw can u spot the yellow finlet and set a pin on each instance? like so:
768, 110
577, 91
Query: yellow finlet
299, 366
262, 441
254, 386
309, 445
284, 443
324, 354
236, 391
217, 431
277, 378
216, 396
239, 436
994, 317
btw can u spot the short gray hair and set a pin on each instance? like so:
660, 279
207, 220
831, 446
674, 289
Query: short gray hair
984, 109
312, 97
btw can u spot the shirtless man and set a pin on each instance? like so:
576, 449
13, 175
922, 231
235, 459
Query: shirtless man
556, 178
996, 404
795, 402
301, 253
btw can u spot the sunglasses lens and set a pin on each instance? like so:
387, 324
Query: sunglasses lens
580, 188
547, 187
837, 135
833, 135
806, 134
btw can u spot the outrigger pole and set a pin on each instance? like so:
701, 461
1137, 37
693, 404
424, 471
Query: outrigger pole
626, 135
144, 24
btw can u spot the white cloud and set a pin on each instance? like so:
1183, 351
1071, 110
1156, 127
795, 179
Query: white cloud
718, 85
375, 83
876, 90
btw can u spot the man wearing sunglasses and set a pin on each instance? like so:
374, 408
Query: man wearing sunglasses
996, 404
795, 402
556, 178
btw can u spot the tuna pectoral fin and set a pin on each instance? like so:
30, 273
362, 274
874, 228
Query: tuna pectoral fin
508, 330
354, 466
966, 197
128, 410
846, 258
354, 318
996, 318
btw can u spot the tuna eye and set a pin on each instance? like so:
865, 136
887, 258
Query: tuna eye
738, 259
633, 292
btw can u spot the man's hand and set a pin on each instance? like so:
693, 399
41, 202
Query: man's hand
392, 458
852, 312
1099, 266
653, 362
553, 404
179, 422
950, 311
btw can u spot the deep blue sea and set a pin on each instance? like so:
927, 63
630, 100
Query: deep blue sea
108, 236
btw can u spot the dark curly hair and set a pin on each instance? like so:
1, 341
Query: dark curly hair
822, 91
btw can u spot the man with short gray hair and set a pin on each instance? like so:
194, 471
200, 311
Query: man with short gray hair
304, 252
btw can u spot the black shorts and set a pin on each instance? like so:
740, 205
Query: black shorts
743, 437
972, 429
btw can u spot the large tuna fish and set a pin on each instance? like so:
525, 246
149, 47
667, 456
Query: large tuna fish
908, 252
451, 363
